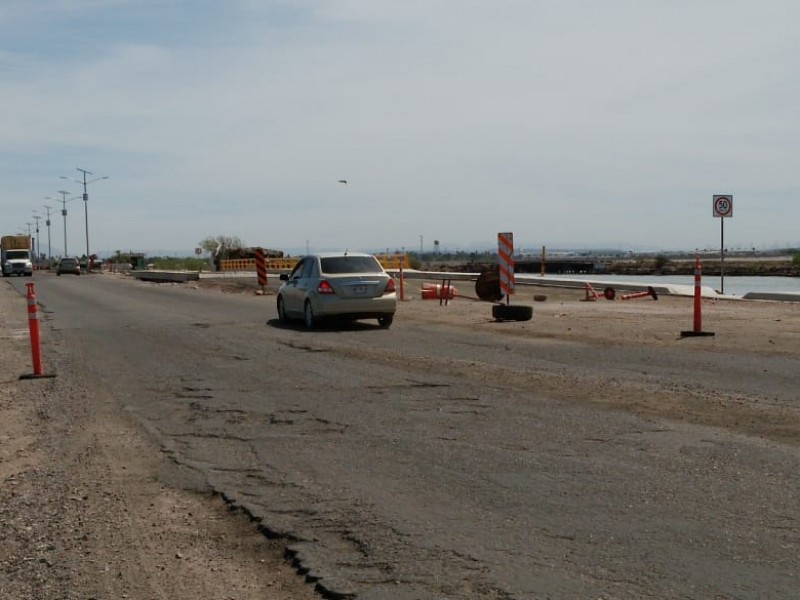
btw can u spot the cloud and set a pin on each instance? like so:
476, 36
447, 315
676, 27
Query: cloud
455, 116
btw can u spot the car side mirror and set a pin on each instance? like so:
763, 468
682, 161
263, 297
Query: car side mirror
284, 277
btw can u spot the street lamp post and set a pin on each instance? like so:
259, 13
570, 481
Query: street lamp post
64, 195
85, 202
63, 201
47, 222
31, 240
37, 218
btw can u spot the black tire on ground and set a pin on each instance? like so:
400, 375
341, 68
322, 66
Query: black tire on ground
487, 286
609, 293
385, 321
310, 319
512, 312
282, 311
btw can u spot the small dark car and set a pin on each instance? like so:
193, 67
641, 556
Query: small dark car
69, 265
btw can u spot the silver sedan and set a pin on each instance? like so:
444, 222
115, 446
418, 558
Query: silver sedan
345, 285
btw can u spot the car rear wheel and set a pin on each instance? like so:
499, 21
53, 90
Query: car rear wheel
310, 319
385, 321
282, 317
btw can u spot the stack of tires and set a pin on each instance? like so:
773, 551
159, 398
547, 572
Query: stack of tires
487, 287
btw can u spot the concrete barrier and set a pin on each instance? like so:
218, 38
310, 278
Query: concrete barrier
777, 296
166, 276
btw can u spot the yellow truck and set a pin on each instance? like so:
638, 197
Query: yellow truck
16, 255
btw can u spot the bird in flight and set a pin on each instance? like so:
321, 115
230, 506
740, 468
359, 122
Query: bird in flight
344, 181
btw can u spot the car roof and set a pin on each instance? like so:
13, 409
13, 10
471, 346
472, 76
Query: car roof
337, 254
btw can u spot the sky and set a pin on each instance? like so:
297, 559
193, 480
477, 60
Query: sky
570, 123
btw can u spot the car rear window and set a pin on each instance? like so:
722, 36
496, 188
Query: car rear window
335, 265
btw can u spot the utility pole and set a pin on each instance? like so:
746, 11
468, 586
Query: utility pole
49, 253
64, 214
85, 203
86, 213
37, 218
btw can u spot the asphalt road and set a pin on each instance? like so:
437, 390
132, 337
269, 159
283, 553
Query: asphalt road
431, 461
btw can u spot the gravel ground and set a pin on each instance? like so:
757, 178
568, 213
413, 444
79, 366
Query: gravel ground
84, 512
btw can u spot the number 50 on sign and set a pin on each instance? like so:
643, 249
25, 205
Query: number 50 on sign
723, 205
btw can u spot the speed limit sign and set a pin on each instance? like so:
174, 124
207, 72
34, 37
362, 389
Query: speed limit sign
723, 205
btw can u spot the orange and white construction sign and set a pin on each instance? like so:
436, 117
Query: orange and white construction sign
505, 259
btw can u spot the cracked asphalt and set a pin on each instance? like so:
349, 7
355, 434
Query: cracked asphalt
454, 457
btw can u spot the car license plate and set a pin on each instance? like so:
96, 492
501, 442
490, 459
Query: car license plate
359, 290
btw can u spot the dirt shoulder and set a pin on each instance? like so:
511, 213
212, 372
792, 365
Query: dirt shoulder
748, 326
85, 512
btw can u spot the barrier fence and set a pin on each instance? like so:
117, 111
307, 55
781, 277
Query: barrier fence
393, 261
388, 261
249, 264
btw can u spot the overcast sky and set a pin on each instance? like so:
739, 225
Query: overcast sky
571, 122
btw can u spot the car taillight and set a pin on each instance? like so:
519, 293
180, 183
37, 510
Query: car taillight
325, 288
390, 289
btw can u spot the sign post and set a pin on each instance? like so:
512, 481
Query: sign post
723, 208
